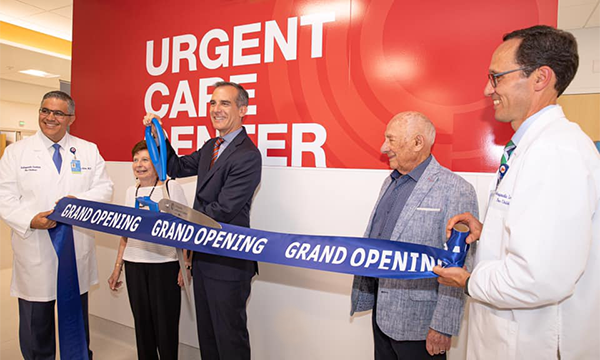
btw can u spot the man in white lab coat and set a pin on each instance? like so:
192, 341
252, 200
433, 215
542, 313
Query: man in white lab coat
536, 285
34, 174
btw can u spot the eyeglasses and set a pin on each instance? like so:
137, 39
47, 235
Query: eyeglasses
493, 78
57, 113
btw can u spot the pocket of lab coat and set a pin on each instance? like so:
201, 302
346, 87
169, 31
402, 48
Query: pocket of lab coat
82, 181
490, 336
492, 244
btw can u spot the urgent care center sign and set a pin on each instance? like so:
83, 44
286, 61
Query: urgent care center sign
324, 77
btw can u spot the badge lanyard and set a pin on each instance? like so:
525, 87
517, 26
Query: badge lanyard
75, 164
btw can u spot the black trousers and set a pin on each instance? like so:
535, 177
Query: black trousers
37, 336
155, 300
221, 317
387, 348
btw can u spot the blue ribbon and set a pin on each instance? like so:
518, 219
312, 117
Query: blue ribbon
350, 255
72, 340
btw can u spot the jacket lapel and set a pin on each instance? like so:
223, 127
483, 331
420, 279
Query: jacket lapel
424, 185
230, 149
206, 156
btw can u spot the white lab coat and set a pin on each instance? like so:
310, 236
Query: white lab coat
536, 283
29, 184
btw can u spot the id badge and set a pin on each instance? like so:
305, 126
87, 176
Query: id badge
75, 167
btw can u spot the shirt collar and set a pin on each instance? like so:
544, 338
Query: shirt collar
527, 124
416, 173
229, 137
48, 143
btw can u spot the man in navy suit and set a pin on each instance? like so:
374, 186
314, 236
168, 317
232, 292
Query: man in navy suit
228, 169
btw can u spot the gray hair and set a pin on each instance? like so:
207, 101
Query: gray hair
60, 95
242, 95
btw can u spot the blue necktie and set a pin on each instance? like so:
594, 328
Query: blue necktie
56, 157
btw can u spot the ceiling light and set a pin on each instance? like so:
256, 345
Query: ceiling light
39, 73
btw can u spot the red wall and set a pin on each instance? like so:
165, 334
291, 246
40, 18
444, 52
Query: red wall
377, 58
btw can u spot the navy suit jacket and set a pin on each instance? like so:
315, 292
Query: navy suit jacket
223, 192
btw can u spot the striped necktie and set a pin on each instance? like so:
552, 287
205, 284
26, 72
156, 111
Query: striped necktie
508, 150
215, 154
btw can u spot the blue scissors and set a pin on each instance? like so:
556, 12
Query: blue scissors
158, 155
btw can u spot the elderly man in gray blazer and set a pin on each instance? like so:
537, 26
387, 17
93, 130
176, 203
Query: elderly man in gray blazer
413, 319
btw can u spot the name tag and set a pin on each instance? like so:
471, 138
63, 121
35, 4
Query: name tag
75, 167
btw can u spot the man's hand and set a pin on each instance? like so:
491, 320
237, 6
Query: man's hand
437, 343
41, 221
453, 276
474, 225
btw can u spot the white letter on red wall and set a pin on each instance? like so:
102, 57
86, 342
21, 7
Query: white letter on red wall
288, 48
299, 147
164, 58
317, 21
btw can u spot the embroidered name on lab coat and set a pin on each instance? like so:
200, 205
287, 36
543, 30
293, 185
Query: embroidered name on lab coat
31, 168
503, 199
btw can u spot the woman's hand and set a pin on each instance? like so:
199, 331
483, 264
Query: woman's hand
113, 281
180, 281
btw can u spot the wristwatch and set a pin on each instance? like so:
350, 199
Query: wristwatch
467, 286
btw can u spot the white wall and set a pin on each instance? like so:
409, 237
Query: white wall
16, 91
587, 79
294, 314
18, 102
11, 113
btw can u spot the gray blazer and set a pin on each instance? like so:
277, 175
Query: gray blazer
406, 309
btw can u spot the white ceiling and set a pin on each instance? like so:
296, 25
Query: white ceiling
14, 59
54, 17
578, 14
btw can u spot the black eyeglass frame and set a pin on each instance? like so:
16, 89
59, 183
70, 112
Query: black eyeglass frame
45, 112
493, 78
